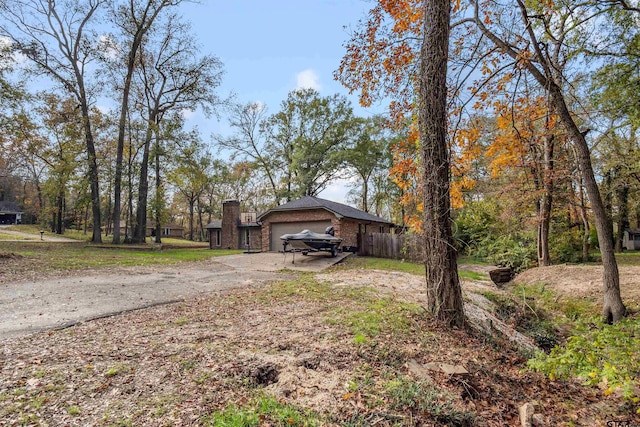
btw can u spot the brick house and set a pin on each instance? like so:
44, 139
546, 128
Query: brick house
236, 230
316, 214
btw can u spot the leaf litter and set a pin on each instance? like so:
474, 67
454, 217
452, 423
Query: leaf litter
173, 365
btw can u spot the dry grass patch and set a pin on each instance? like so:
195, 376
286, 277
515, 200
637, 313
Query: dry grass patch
285, 354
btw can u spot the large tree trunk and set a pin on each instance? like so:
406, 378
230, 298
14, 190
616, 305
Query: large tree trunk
444, 295
546, 203
585, 225
59, 209
158, 197
140, 235
93, 173
192, 202
613, 309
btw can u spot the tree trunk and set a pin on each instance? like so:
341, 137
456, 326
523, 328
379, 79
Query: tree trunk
93, 175
365, 195
444, 295
140, 235
192, 202
613, 309
200, 224
547, 201
586, 227
158, 201
622, 196
59, 209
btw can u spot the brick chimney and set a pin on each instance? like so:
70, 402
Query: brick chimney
230, 221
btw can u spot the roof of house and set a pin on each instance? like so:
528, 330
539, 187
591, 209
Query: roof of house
10, 207
340, 210
214, 224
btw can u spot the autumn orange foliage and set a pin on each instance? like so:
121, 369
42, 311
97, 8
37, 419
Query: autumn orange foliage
380, 64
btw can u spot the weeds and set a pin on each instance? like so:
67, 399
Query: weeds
261, 411
599, 354
420, 397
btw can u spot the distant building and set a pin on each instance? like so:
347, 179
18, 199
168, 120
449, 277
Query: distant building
10, 213
168, 230
631, 239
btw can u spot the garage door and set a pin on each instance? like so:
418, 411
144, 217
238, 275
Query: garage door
280, 228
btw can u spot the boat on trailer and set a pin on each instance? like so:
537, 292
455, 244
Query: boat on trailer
307, 241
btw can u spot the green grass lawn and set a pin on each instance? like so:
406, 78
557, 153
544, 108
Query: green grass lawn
70, 256
7, 236
406, 266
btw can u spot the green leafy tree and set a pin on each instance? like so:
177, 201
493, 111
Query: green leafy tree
191, 175
57, 38
172, 77
307, 140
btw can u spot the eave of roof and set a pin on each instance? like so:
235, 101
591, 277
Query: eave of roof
338, 209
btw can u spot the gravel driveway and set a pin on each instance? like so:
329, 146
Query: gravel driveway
54, 303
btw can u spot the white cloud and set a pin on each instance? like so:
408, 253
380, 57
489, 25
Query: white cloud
108, 47
308, 79
187, 114
336, 191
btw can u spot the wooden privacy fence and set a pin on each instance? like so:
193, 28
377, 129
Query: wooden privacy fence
395, 246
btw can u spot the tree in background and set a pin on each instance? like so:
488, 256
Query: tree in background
172, 78
537, 47
368, 155
306, 141
248, 143
191, 175
57, 39
134, 20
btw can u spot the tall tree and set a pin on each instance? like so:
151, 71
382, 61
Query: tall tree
173, 78
308, 137
444, 294
191, 174
367, 155
57, 38
539, 48
248, 142
135, 19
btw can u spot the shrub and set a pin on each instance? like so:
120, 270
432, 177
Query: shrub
599, 354
509, 251
566, 246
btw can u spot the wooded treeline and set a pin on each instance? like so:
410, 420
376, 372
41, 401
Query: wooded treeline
542, 102
110, 171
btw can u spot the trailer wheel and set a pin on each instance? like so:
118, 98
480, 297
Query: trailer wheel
305, 253
334, 251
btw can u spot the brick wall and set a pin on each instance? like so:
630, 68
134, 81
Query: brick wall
230, 222
345, 228
349, 230
296, 216
255, 238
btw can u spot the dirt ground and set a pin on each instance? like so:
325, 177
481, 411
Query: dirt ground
584, 281
173, 365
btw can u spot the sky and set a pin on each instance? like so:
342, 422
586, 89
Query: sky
270, 47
